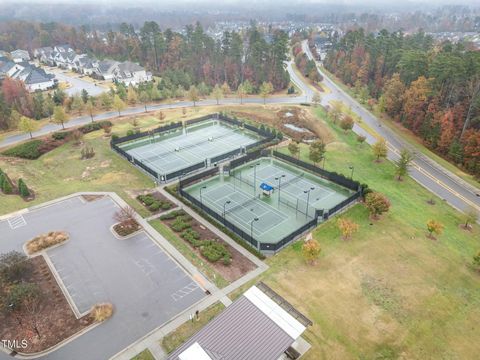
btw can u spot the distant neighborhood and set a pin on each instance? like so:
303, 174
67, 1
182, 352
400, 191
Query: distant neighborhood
64, 57
19, 65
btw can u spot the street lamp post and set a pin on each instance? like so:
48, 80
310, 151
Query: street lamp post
225, 204
279, 178
308, 199
351, 167
251, 227
201, 200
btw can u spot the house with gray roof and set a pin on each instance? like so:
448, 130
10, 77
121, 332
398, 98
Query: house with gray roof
20, 55
130, 73
260, 325
106, 69
34, 78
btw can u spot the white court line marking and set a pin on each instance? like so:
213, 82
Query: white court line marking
16, 222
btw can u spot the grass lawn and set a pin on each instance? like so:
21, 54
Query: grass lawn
389, 292
61, 172
176, 338
144, 355
180, 245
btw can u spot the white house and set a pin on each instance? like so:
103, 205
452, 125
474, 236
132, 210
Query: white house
130, 73
105, 69
33, 77
20, 56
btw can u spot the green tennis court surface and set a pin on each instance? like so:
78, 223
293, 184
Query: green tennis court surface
179, 149
291, 203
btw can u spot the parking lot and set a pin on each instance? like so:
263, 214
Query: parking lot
146, 286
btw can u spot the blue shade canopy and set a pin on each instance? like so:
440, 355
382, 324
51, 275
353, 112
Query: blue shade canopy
266, 187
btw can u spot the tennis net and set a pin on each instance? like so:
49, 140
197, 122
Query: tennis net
238, 206
244, 180
293, 180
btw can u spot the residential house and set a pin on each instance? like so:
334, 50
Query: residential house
259, 325
130, 73
20, 56
63, 49
106, 69
37, 53
33, 77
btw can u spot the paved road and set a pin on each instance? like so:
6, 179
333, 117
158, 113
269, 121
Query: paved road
146, 286
425, 171
77, 84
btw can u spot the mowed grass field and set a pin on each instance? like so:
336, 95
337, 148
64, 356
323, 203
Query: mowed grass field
389, 292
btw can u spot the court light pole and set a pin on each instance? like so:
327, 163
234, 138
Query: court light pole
324, 157
308, 199
201, 200
351, 167
225, 204
254, 179
251, 226
279, 178
179, 181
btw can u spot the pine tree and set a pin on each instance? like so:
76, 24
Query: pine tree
23, 189
403, 163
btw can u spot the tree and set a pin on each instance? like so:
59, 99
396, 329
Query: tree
25, 298
217, 93
347, 227
361, 139
13, 266
126, 217
311, 251
193, 95
241, 92
471, 217
265, 90
380, 149
403, 163
60, 117
316, 99
144, 98
434, 227
118, 104
346, 123
161, 116
105, 100
377, 204
316, 151
85, 96
293, 148
336, 110
23, 189
90, 108
77, 104
49, 106
132, 97
226, 89
27, 125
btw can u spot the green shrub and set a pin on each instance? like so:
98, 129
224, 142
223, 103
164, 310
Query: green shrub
130, 132
214, 251
98, 125
7, 187
155, 206
192, 237
115, 137
28, 150
166, 205
146, 199
23, 189
61, 135
179, 225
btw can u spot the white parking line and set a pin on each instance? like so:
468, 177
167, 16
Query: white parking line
177, 295
16, 222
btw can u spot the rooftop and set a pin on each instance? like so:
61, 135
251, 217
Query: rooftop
254, 327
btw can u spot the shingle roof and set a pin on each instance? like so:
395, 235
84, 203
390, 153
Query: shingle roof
241, 331
106, 66
129, 66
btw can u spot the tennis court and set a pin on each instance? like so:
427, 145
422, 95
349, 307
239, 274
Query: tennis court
173, 151
290, 201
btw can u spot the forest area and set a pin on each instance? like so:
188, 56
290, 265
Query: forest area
431, 89
189, 64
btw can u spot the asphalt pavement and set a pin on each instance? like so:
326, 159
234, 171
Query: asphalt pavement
145, 285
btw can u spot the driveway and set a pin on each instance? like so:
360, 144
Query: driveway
146, 286
77, 84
